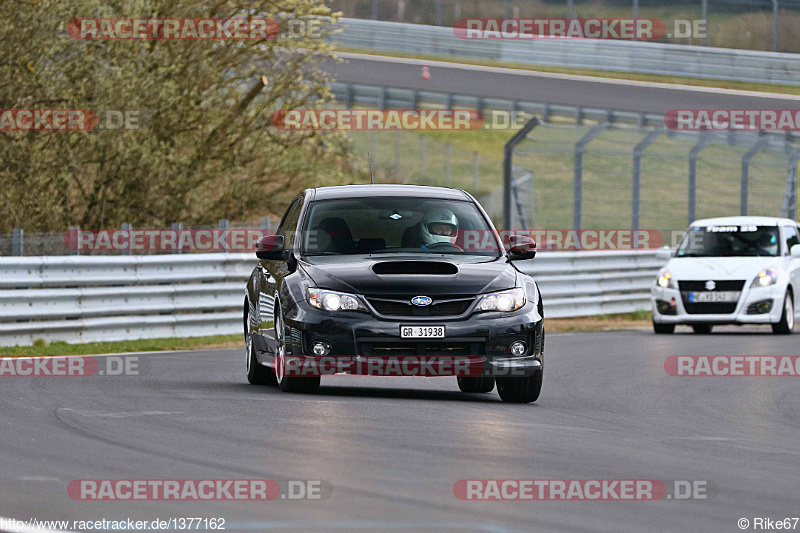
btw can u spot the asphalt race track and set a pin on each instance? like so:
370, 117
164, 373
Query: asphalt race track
392, 448
592, 92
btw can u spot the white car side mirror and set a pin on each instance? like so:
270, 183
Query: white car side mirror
665, 253
795, 251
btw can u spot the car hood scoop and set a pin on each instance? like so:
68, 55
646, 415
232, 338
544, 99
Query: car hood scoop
415, 267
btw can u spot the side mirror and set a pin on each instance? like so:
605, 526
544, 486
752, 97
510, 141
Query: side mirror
664, 253
270, 247
521, 247
795, 251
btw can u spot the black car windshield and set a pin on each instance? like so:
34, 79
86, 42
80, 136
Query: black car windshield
397, 225
729, 241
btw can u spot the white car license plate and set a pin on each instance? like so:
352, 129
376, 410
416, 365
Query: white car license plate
711, 296
421, 332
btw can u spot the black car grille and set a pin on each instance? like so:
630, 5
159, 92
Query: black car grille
721, 285
426, 347
709, 308
405, 308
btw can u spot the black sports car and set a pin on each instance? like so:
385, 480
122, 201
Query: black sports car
393, 280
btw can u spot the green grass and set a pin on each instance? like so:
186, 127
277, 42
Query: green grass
41, 348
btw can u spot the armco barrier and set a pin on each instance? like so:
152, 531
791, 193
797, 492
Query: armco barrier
617, 55
107, 298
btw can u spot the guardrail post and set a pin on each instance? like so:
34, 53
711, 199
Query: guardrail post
265, 224
177, 227
693, 153
415, 99
349, 95
546, 113
704, 17
374, 9
636, 201
450, 100
18, 242
508, 162
397, 153
224, 223
128, 228
579, 116
383, 97
580, 148
745, 187
476, 170
74, 238
373, 145
421, 159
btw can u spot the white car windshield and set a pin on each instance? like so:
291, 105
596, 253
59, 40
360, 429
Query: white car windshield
730, 241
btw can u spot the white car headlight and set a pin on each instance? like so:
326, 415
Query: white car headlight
505, 301
765, 278
665, 280
334, 301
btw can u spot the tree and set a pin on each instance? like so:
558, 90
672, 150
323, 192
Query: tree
203, 147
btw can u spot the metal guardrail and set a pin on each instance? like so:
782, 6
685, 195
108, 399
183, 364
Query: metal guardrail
622, 56
108, 298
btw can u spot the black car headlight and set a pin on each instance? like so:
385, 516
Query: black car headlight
334, 301
505, 301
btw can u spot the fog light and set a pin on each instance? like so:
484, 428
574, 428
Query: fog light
320, 348
518, 348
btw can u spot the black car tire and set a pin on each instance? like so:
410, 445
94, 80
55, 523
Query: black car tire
702, 329
307, 385
520, 389
786, 324
663, 328
476, 384
257, 374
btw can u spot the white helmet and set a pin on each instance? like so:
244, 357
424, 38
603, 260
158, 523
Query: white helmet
438, 225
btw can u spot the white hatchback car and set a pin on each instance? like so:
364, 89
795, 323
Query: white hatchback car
731, 270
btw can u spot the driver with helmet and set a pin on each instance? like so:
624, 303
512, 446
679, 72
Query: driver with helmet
438, 226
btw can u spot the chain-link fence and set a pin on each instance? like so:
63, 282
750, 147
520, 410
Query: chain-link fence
602, 175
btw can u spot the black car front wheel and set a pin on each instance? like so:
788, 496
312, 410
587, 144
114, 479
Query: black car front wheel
257, 374
476, 384
520, 389
289, 383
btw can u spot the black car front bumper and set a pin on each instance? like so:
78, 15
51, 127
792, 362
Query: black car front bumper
356, 338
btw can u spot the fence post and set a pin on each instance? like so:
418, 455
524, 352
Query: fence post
74, 240
128, 228
476, 169
745, 187
580, 148
775, 25
636, 201
177, 227
373, 145
383, 97
693, 153
508, 162
18, 242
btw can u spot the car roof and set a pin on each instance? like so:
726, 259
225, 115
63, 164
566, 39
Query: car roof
738, 221
387, 190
